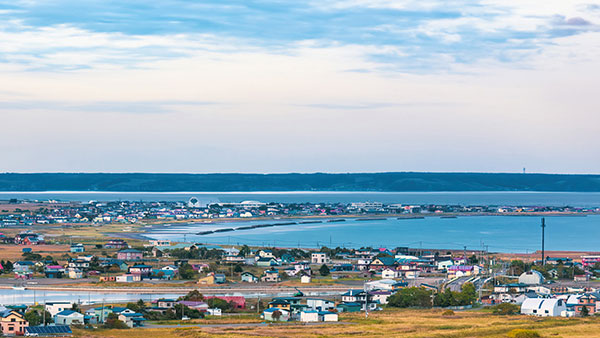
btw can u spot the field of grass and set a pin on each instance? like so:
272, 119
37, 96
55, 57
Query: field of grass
389, 323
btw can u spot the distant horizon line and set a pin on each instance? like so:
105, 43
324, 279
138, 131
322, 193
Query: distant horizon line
292, 173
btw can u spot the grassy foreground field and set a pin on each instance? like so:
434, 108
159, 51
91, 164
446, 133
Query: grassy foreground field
389, 323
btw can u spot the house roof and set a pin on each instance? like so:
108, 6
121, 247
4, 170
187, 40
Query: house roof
130, 251
68, 313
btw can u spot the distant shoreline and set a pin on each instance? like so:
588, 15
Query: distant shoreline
293, 182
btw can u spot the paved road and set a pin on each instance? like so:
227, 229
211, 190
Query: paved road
157, 326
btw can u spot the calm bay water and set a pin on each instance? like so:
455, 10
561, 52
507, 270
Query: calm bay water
463, 198
500, 233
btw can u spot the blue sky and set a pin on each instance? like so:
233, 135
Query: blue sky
278, 86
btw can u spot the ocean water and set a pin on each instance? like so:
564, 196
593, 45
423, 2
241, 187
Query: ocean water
499, 233
462, 198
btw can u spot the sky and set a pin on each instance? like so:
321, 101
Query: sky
299, 86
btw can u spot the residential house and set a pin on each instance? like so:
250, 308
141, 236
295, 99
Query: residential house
160, 242
74, 273
380, 296
77, 248
130, 254
284, 315
13, 323
510, 288
212, 278
116, 244
328, 316
320, 304
76, 263
54, 271
55, 307
128, 278
23, 269
266, 254
248, 277
143, 270
305, 279
390, 273
588, 300
132, 319
379, 263
455, 271
281, 304
271, 276
69, 317
349, 307
309, 316
267, 262
319, 258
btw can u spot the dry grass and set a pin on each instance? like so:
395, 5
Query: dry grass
15, 252
389, 323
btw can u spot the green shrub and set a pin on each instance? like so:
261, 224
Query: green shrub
506, 309
523, 333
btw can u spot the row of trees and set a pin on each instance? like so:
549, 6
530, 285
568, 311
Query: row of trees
425, 298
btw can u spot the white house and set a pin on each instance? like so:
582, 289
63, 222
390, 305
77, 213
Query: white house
68, 317
283, 317
445, 264
214, 312
531, 278
305, 279
319, 258
389, 273
56, 307
382, 284
327, 316
543, 307
320, 304
309, 316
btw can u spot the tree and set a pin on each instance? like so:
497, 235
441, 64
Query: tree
33, 317
584, 311
244, 251
238, 269
75, 307
193, 295
187, 272
324, 270
219, 303
411, 297
276, 315
506, 309
113, 322
468, 294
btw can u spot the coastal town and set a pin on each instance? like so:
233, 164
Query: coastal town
17, 212
190, 283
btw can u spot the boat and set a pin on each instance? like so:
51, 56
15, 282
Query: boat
19, 288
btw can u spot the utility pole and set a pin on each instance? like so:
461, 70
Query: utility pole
465, 255
543, 253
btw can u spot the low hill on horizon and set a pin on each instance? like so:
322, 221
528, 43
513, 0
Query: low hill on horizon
384, 182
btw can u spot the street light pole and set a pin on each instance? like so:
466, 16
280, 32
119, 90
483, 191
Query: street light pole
543, 253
